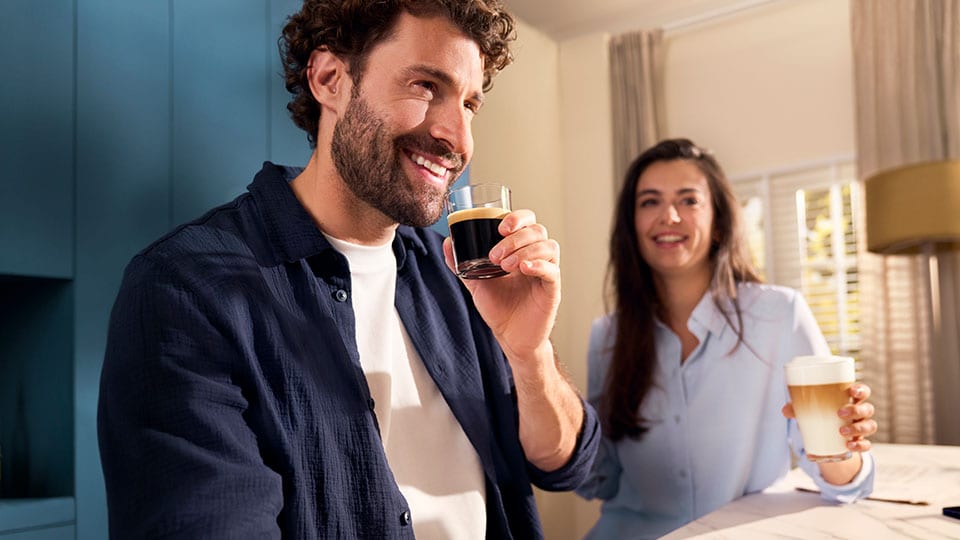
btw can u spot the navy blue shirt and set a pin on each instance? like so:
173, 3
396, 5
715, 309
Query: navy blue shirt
233, 404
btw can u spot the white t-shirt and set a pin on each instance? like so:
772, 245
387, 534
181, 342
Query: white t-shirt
435, 466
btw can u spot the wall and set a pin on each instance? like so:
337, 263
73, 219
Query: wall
769, 88
766, 88
517, 134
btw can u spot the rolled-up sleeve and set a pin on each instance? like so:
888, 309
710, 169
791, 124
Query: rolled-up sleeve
575, 471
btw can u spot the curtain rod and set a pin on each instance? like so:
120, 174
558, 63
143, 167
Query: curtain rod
719, 13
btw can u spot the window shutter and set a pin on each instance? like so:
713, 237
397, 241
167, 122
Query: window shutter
810, 241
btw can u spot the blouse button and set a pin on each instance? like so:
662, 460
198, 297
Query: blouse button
340, 295
405, 518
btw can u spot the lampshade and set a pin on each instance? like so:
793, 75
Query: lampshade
914, 206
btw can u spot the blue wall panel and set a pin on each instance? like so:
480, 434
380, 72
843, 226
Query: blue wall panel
36, 138
123, 193
219, 101
288, 143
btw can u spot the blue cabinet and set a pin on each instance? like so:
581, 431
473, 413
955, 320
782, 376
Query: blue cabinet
37, 156
119, 121
36, 138
65, 532
37, 519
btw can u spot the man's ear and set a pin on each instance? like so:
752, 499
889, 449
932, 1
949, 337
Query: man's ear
328, 78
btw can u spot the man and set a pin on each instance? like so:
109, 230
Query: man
303, 362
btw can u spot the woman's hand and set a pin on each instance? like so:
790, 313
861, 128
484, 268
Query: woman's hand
860, 424
858, 414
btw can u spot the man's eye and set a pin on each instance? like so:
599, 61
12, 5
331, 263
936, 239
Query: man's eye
427, 85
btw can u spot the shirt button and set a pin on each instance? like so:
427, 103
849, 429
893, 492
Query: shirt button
405, 518
340, 295
683, 474
677, 418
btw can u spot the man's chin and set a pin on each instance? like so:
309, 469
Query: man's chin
422, 220
415, 211
430, 216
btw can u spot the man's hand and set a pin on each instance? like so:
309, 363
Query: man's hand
521, 307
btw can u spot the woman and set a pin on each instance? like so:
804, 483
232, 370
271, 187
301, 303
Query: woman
687, 371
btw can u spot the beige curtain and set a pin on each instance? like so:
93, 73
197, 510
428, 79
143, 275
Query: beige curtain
636, 77
906, 57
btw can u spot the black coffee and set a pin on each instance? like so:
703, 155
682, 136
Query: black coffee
474, 233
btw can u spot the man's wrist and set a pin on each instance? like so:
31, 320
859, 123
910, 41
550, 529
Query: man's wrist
540, 364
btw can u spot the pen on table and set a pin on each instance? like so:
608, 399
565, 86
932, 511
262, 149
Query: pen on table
872, 498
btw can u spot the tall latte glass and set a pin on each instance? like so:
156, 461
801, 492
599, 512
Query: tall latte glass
819, 387
474, 215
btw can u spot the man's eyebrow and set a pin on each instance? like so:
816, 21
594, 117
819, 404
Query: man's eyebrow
422, 70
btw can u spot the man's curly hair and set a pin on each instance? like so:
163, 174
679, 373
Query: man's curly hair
351, 28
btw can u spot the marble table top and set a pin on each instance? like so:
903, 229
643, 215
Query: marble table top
919, 473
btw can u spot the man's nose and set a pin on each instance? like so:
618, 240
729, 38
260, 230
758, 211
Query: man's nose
450, 124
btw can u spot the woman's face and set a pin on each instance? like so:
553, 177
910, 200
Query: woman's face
674, 219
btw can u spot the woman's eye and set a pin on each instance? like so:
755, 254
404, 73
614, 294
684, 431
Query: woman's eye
691, 201
646, 203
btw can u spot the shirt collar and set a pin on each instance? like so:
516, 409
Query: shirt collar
291, 230
707, 317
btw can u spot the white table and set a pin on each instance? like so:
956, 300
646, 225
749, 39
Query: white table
910, 472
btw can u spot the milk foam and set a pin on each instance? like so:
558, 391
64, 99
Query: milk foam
810, 370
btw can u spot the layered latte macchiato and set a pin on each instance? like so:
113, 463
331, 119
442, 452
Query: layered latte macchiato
818, 389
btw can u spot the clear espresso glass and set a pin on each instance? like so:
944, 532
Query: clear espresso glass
474, 214
819, 386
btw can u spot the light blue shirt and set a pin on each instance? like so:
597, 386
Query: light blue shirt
715, 428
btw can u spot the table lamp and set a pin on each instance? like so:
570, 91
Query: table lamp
915, 209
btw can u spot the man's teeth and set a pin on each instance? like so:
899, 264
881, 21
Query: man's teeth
426, 163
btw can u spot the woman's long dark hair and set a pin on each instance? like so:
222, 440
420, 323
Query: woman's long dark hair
631, 288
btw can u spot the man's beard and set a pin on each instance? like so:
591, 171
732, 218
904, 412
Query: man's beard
369, 160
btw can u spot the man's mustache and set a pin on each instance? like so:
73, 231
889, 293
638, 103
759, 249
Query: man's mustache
428, 145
